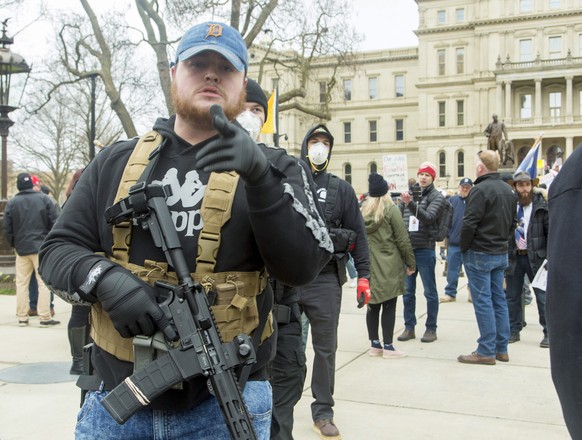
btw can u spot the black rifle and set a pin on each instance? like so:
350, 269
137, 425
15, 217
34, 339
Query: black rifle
200, 350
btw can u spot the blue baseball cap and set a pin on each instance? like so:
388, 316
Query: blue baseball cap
466, 181
217, 37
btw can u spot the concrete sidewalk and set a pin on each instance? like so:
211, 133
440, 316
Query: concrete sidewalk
427, 395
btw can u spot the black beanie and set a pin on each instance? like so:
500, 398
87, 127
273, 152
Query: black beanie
23, 181
256, 94
377, 186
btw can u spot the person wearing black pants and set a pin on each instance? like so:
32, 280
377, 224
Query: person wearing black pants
391, 258
78, 331
288, 369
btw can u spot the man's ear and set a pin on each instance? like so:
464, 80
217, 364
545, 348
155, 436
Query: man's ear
173, 68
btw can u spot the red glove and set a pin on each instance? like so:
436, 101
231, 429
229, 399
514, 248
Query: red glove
363, 292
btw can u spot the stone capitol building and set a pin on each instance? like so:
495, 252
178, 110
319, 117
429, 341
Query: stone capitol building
519, 59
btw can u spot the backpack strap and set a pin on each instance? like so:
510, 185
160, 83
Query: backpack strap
137, 163
331, 197
216, 210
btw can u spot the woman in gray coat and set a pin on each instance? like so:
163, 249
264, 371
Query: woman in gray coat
391, 258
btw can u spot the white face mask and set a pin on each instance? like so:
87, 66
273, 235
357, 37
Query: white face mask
318, 153
251, 123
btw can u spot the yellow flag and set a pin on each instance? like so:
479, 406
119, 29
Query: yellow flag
271, 124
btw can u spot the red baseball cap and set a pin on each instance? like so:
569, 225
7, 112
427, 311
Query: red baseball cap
34, 179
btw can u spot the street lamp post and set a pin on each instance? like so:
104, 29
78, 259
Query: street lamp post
10, 64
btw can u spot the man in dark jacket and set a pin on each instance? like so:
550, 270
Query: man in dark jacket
527, 252
454, 258
273, 225
487, 225
28, 218
321, 299
564, 293
420, 217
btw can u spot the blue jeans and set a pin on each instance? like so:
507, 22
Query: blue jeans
351, 267
485, 273
204, 422
425, 265
454, 263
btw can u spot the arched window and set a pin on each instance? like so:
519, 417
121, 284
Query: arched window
521, 153
373, 167
348, 173
460, 164
442, 164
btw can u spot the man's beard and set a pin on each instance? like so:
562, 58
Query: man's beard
525, 198
200, 117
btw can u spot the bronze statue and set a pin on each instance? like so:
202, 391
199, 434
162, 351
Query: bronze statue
498, 140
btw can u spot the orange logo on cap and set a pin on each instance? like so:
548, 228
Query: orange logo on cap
214, 30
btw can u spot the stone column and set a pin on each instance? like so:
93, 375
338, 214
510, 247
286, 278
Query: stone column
499, 103
569, 100
508, 102
538, 102
569, 146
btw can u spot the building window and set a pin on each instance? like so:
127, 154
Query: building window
373, 167
322, 91
347, 132
373, 130
460, 164
442, 164
525, 6
525, 50
399, 127
399, 85
373, 87
441, 17
555, 4
460, 59
348, 173
441, 55
555, 99
525, 106
460, 15
441, 105
555, 47
460, 112
347, 89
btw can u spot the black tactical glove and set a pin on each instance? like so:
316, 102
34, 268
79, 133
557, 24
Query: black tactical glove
131, 304
234, 150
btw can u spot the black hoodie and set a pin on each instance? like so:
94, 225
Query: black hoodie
346, 212
274, 224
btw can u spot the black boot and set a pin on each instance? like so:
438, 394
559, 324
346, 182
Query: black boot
77, 340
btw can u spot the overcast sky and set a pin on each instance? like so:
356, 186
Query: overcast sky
385, 24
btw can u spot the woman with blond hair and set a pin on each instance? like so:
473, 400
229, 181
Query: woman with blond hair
391, 258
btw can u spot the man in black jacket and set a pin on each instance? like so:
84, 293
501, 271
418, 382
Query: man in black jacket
28, 218
321, 299
420, 215
527, 252
564, 296
273, 225
488, 222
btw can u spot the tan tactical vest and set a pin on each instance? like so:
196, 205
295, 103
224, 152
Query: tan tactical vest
235, 307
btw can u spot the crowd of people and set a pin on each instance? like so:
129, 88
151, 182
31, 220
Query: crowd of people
258, 204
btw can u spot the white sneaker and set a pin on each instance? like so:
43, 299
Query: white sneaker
393, 354
375, 351
352, 282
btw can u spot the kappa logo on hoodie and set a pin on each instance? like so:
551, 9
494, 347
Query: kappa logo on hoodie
190, 194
